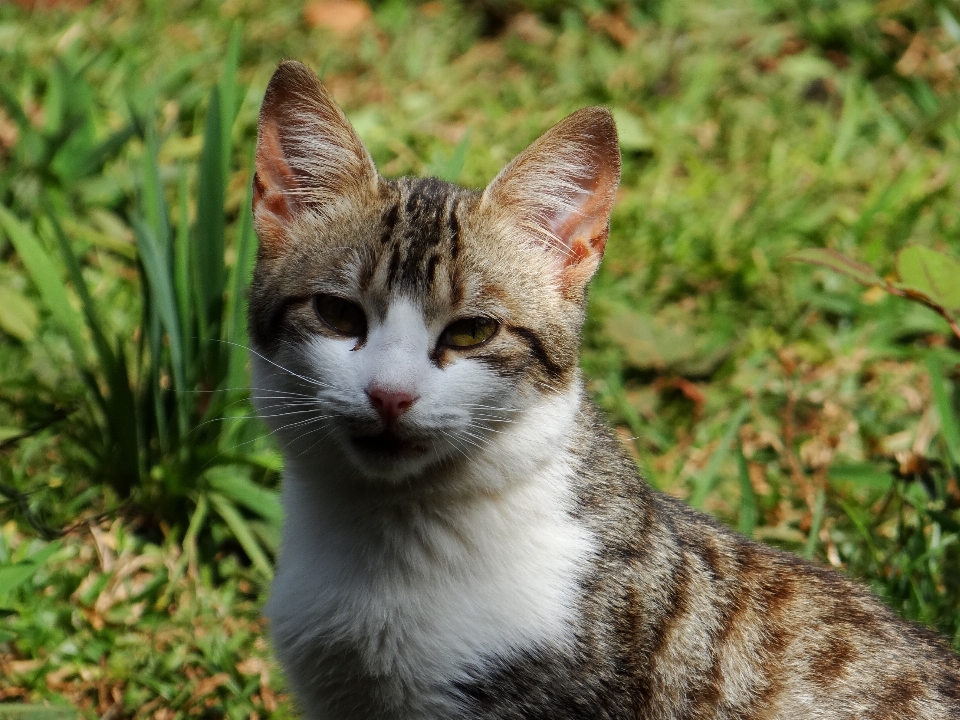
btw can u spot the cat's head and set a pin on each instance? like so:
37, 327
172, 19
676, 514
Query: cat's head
401, 325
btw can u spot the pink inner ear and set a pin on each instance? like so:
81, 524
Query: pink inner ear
274, 184
582, 231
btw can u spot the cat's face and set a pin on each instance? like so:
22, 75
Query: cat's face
398, 326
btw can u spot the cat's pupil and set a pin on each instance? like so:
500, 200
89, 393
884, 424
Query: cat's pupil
342, 316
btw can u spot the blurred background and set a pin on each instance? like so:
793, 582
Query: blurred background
138, 498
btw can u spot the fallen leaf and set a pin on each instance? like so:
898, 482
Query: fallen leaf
340, 16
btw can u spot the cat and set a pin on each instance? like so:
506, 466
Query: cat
464, 537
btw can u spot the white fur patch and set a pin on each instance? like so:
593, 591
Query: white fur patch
383, 599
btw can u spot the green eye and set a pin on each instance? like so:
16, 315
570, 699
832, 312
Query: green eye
340, 315
469, 332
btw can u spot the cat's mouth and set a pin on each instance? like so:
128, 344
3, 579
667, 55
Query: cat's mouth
387, 445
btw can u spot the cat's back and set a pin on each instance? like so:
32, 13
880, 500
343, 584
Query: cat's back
683, 618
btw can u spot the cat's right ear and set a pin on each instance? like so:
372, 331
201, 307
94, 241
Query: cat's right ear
309, 158
558, 193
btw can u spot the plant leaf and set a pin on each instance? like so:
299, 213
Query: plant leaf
208, 266
160, 277
45, 276
748, 500
949, 422
931, 273
814, 536
631, 133
242, 532
12, 576
264, 502
235, 331
838, 262
229, 95
705, 482
19, 317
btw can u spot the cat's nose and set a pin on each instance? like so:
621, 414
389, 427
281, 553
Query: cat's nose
390, 404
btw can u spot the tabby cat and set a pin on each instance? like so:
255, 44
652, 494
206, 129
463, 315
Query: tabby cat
464, 537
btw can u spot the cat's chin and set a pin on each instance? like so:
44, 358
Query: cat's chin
386, 455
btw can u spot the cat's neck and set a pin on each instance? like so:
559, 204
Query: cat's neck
480, 567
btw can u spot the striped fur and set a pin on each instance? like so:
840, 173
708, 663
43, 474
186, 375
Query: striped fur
491, 552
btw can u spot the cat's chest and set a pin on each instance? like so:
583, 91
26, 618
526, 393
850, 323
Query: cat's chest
384, 614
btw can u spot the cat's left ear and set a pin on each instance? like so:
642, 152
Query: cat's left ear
559, 191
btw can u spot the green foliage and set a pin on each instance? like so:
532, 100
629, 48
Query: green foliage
921, 576
927, 277
155, 420
789, 403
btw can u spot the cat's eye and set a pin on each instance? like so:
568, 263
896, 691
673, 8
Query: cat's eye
469, 332
341, 316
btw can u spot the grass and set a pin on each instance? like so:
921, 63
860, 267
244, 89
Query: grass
788, 401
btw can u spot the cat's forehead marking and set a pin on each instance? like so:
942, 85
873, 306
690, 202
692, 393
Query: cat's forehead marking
420, 237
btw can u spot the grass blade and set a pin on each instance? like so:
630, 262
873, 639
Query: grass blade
748, 500
153, 203
240, 489
705, 482
118, 405
236, 330
451, 168
818, 505
949, 422
208, 243
162, 294
45, 276
182, 268
229, 96
244, 535
79, 284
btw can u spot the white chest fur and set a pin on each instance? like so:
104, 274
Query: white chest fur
379, 605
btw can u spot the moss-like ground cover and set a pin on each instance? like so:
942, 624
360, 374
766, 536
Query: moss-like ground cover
805, 410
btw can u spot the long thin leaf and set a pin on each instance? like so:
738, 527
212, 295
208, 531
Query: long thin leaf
238, 526
45, 276
90, 310
949, 422
705, 482
189, 550
236, 330
748, 500
838, 263
209, 277
818, 505
239, 488
229, 96
182, 282
96, 157
162, 294
153, 203
118, 405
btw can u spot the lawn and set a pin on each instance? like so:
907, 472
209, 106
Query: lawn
138, 507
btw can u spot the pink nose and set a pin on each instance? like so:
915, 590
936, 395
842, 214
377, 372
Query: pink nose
390, 404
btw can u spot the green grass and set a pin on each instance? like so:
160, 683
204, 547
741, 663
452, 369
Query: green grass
783, 398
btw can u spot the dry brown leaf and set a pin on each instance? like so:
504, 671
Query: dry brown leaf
527, 27
340, 16
616, 26
52, 4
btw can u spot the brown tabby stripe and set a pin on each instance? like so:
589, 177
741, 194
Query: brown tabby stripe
453, 230
390, 220
537, 351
